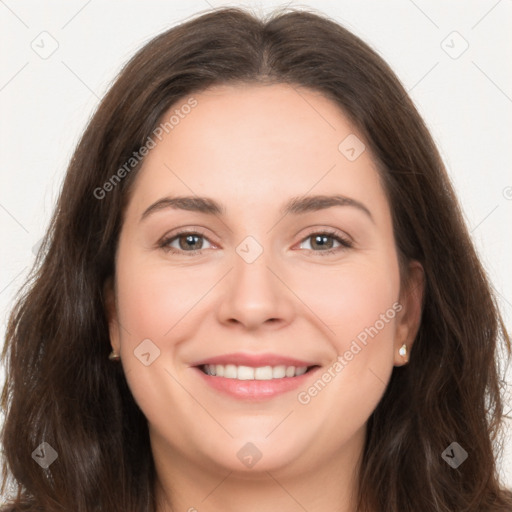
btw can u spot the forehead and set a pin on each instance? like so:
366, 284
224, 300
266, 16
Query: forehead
257, 142
273, 117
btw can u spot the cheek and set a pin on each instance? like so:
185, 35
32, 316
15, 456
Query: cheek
162, 304
148, 307
154, 298
359, 304
350, 298
363, 318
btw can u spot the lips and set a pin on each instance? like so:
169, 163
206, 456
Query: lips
254, 376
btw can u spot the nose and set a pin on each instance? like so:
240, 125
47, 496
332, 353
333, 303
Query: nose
255, 295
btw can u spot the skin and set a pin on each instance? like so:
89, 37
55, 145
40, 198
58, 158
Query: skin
251, 148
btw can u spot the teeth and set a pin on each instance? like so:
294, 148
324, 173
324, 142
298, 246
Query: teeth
263, 373
290, 371
245, 373
278, 372
231, 371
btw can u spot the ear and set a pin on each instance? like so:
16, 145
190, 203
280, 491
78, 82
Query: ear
409, 317
111, 312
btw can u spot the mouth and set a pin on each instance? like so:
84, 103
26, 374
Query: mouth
254, 377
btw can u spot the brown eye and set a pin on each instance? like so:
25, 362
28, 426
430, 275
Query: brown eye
186, 241
325, 242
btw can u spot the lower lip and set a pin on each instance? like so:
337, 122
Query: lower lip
255, 389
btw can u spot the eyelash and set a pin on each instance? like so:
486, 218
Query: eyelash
344, 243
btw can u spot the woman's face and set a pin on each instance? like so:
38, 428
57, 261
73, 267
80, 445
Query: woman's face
287, 262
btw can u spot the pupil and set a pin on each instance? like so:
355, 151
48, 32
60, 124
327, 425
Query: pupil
322, 238
189, 240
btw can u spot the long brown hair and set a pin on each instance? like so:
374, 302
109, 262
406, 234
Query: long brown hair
62, 389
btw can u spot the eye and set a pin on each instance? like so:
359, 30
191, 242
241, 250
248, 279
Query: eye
326, 240
192, 242
184, 241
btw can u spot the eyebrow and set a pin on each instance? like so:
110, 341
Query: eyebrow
295, 205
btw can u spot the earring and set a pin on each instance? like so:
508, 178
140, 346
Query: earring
113, 356
403, 350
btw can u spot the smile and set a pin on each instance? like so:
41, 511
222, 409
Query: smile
256, 383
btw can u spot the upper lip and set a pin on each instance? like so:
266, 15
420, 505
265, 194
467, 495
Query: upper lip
255, 360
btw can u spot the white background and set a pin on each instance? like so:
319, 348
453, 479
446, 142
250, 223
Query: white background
46, 102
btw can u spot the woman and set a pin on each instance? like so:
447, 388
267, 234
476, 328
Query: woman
257, 293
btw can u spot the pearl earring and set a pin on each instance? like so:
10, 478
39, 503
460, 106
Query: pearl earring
113, 356
403, 350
